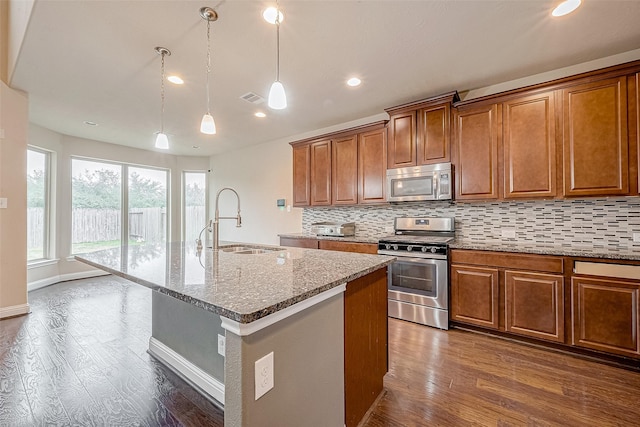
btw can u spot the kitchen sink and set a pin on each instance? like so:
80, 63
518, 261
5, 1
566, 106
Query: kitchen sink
245, 250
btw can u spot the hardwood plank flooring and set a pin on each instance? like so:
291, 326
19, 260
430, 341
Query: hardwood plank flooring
80, 359
460, 378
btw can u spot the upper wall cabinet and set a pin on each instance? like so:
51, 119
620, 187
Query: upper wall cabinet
477, 134
419, 132
344, 168
529, 146
595, 138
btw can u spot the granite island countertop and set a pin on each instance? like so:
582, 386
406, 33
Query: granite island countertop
241, 287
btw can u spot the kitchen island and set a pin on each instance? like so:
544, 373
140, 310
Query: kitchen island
320, 316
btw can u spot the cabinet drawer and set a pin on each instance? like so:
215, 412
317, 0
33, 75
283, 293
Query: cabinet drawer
541, 263
363, 248
299, 242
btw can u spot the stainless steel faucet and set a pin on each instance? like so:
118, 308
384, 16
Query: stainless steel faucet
218, 217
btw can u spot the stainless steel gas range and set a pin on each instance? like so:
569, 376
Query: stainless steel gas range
418, 279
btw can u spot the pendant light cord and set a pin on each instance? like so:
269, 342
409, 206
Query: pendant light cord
162, 96
277, 42
208, 62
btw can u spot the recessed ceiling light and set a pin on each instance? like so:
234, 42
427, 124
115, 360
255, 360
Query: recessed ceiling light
88, 123
260, 114
269, 15
566, 7
354, 81
195, 146
175, 80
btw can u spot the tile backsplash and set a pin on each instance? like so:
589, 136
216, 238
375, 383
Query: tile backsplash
600, 223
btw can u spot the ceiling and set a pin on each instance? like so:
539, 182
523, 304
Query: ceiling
89, 60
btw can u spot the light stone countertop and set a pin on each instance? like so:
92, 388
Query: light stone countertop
545, 249
241, 287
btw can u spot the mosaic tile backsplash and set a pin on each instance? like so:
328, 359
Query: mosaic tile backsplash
600, 223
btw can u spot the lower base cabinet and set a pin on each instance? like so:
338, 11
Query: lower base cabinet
534, 305
474, 295
605, 315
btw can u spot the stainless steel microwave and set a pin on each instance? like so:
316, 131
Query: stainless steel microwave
416, 183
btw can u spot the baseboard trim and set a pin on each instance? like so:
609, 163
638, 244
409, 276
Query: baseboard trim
14, 310
32, 286
191, 372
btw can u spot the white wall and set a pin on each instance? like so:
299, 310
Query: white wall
64, 148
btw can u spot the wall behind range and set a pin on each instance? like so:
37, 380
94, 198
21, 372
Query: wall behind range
602, 223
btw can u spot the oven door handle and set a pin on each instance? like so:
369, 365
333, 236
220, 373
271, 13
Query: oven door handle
407, 255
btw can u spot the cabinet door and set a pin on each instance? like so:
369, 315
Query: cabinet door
474, 296
433, 141
402, 140
302, 175
321, 173
595, 139
477, 153
605, 315
344, 177
372, 166
529, 144
534, 305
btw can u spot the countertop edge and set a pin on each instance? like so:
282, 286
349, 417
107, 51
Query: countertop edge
552, 251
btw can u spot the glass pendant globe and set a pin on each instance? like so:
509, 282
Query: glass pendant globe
207, 125
162, 141
277, 97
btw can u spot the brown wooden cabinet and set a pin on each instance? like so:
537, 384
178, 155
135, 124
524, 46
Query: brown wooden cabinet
529, 146
474, 295
320, 178
302, 175
299, 242
605, 315
344, 173
335, 245
534, 305
419, 132
433, 134
595, 138
372, 171
477, 134
402, 140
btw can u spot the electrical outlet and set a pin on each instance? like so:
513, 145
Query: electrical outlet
509, 233
221, 345
636, 237
389, 229
3, 203
264, 375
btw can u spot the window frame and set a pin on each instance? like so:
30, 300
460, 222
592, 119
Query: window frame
183, 200
47, 239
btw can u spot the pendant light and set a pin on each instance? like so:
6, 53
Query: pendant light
208, 125
162, 141
277, 97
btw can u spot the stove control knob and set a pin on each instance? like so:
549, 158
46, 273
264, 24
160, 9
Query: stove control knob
409, 248
425, 249
433, 250
387, 247
395, 247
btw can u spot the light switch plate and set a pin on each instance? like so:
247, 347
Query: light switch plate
3, 203
509, 233
264, 375
221, 345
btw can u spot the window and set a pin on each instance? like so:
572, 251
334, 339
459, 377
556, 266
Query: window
99, 192
38, 177
147, 205
96, 201
194, 198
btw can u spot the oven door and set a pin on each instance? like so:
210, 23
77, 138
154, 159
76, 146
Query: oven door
419, 281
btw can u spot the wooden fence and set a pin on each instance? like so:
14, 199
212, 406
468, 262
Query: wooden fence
94, 225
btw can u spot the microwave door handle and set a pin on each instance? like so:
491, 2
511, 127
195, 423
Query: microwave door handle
436, 186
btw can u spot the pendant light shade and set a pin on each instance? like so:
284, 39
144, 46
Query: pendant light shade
207, 125
162, 142
277, 97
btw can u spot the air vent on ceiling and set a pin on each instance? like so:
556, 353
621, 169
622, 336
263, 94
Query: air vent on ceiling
253, 98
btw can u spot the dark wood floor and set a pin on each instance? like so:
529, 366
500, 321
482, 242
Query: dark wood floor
80, 359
